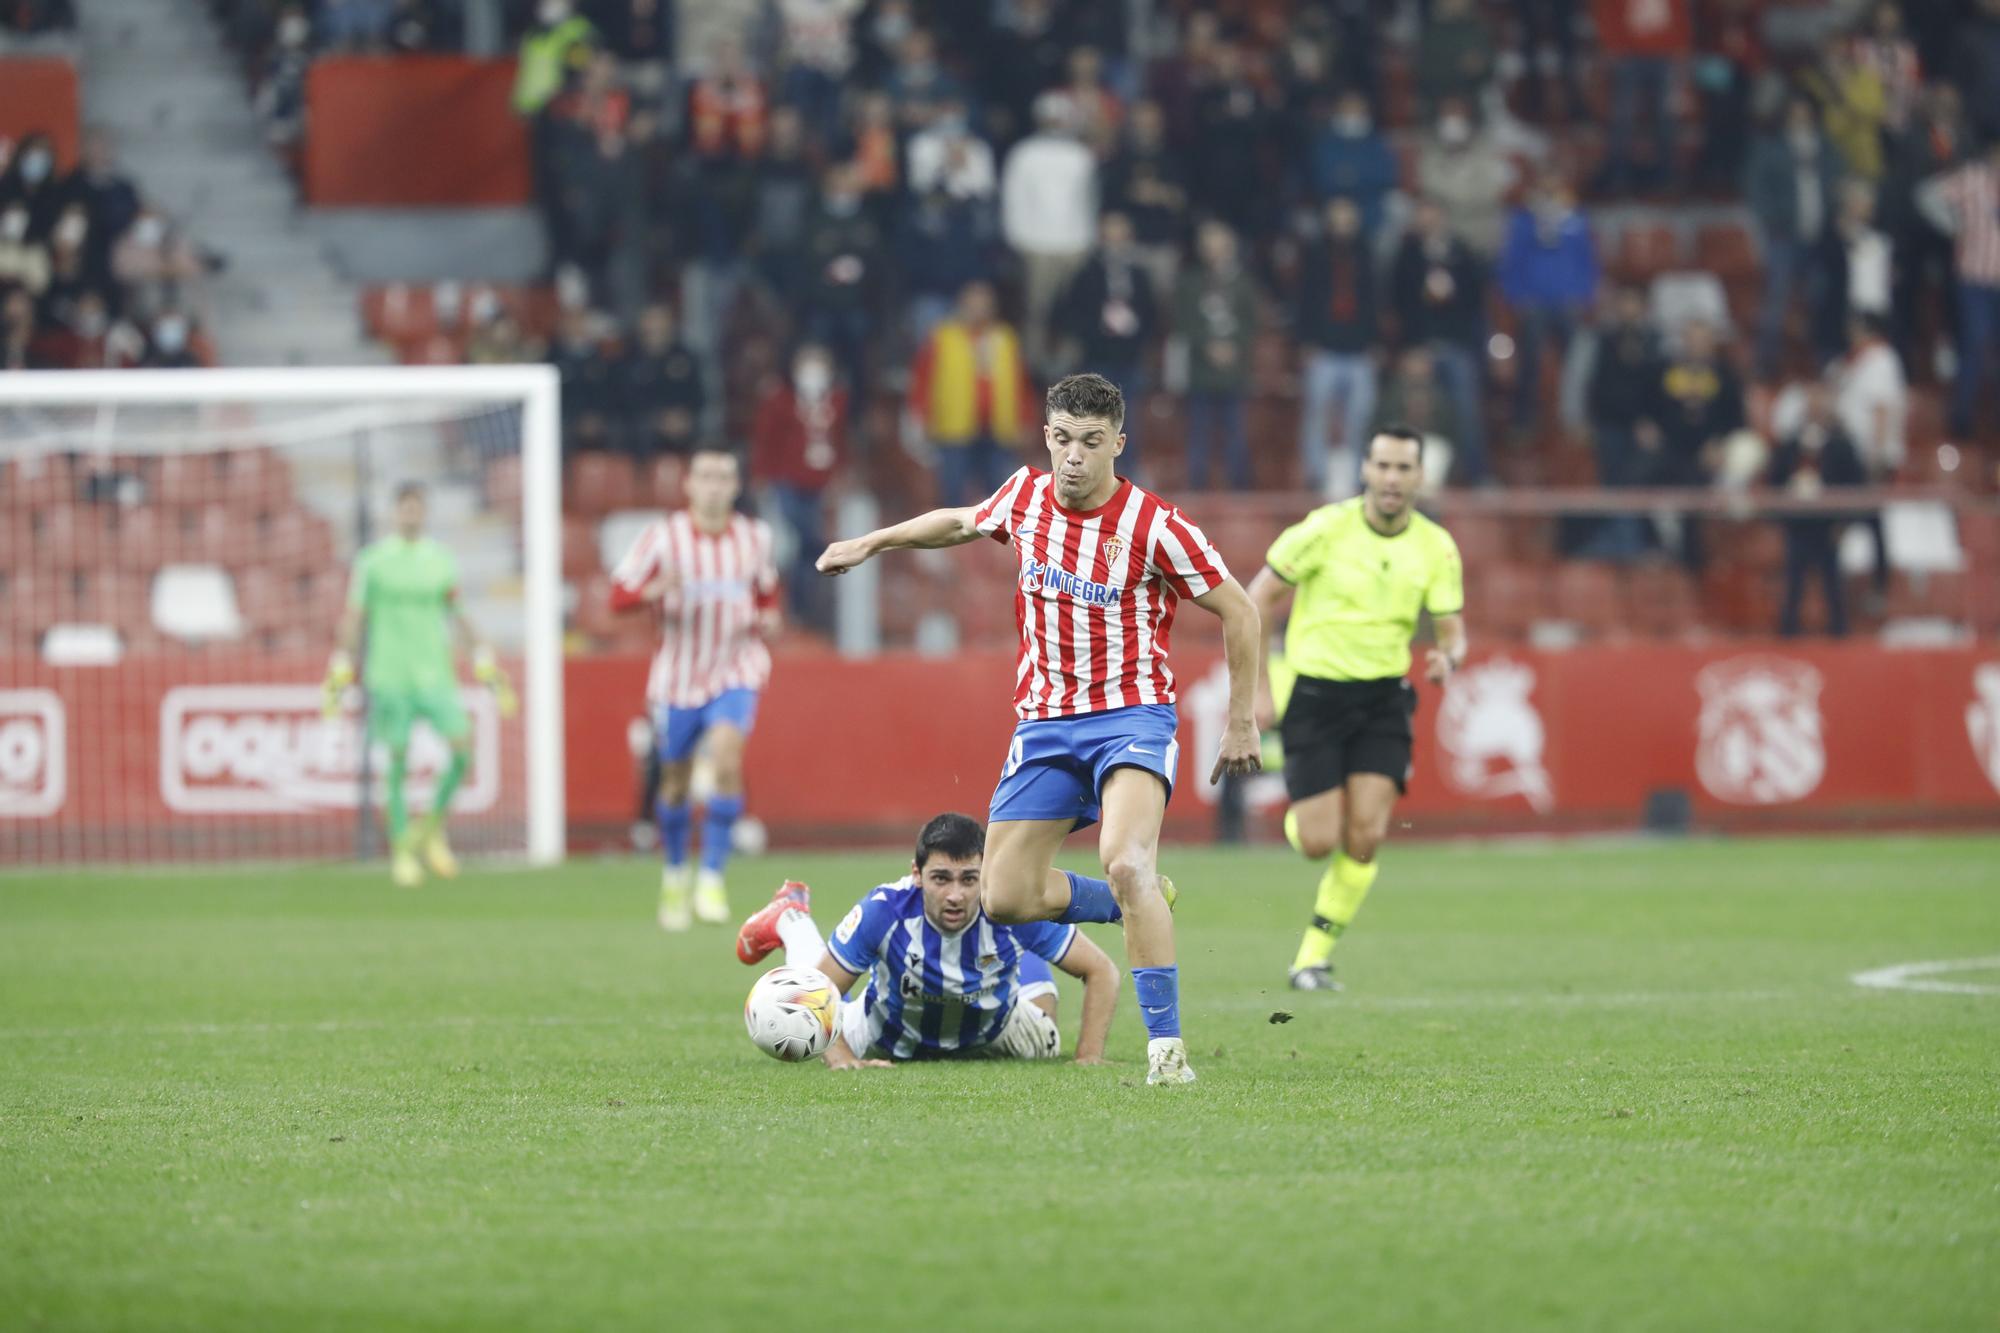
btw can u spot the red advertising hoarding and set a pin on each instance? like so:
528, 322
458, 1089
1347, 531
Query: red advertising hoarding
192, 759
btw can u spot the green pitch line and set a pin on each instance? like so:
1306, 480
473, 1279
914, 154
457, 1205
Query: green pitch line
1625, 1086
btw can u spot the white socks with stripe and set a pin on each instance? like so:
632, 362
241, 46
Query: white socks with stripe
804, 945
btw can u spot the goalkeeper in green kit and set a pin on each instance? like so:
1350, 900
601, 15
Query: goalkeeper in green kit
405, 590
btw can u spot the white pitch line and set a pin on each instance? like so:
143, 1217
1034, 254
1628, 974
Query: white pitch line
1916, 977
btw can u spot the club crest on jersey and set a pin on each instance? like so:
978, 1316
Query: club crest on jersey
1113, 548
1035, 574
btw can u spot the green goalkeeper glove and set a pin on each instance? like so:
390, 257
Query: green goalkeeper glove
486, 669
339, 675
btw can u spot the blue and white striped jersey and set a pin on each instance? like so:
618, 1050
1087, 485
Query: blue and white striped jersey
930, 993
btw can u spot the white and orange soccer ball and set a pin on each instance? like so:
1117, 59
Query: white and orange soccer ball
791, 1013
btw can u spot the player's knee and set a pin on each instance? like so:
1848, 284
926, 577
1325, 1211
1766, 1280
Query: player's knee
1316, 844
1010, 900
1363, 841
1130, 875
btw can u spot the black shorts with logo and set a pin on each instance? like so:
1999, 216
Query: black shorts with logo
1334, 728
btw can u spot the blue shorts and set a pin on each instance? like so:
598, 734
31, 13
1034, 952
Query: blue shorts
1057, 766
679, 730
1037, 978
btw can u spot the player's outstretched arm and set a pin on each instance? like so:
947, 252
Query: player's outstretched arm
1099, 975
1268, 593
840, 1055
1242, 648
940, 527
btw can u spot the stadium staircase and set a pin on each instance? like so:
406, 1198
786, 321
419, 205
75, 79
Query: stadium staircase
157, 73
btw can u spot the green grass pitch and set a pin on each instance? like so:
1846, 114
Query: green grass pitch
1623, 1086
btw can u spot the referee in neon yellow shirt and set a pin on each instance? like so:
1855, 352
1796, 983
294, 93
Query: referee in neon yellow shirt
1359, 571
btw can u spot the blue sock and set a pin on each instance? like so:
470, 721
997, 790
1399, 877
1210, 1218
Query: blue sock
674, 825
1159, 990
717, 822
1089, 900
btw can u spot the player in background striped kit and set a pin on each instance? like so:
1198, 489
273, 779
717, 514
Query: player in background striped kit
710, 572
1104, 565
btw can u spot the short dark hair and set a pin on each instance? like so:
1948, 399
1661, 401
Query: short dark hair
952, 835
1087, 395
406, 489
721, 450
1396, 433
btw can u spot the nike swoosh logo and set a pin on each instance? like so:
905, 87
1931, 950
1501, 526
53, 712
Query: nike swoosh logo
1136, 750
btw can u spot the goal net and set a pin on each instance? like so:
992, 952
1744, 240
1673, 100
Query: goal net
175, 548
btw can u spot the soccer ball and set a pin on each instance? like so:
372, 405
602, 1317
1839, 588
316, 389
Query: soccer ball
791, 1012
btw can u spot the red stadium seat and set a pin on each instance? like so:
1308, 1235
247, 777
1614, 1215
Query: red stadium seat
579, 547
1646, 250
600, 483
1661, 601
141, 542
69, 537
1505, 598
1728, 250
398, 312
184, 479
1586, 595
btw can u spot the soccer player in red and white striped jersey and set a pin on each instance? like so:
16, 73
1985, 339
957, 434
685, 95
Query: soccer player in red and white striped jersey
710, 571
1104, 567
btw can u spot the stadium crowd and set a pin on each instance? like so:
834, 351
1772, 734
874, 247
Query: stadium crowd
767, 217
91, 275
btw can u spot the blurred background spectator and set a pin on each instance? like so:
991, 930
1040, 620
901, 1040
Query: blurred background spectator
1215, 321
970, 397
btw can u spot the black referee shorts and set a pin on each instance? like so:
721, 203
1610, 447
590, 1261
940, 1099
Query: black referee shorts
1334, 728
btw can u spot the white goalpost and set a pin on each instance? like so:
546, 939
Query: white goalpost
174, 550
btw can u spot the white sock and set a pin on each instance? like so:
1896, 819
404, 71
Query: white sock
804, 945
707, 881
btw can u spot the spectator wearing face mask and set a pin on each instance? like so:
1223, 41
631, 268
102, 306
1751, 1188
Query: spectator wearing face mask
71, 273
1144, 181
1215, 329
1818, 456
1351, 159
171, 346
1461, 167
1110, 308
798, 446
30, 181
1438, 287
947, 156
844, 260
1791, 185
1048, 214
785, 199
24, 260
109, 199
942, 243
816, 53
1338, 325
589, 383
281, 75
1548, 273
1454, 54
1645, 40
89, 339
1729, 56
1851, 271
659, 388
